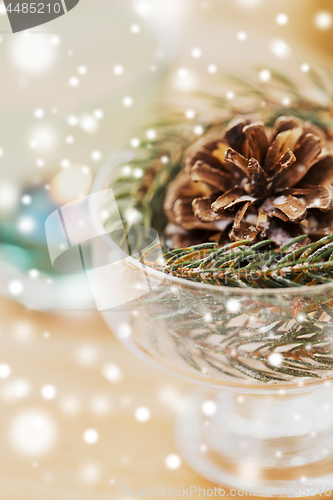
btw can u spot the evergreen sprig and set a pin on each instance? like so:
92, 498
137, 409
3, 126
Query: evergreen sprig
259, 265
241, 344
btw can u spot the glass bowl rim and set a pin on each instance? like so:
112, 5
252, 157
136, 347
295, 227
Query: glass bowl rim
125, 156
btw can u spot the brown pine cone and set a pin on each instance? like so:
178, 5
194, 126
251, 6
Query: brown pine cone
254, 182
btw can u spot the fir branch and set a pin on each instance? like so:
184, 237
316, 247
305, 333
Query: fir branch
248, 265
206, 338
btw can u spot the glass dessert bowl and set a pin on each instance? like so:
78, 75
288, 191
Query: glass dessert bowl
261, 417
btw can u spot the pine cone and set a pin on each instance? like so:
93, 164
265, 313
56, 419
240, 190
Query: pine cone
254, 182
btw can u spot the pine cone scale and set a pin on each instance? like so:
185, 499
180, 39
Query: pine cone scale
202, 209
282, 163
256, 141
231, 198
306, 154
290, 206
237, 160
216, 178
284, 141
321, 173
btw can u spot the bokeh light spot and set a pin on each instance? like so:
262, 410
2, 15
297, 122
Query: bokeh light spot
282, 19
112, 373
173, 462
208, 408
32, 53
48, 392
5, 370
323, 20
15, 287
32, 433
142, 414
90, 436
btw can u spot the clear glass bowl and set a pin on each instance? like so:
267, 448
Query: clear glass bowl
262, 418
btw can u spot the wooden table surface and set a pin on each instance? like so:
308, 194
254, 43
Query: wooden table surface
72, 352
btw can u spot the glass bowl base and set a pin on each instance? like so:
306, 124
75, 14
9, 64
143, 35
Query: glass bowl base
258, 445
